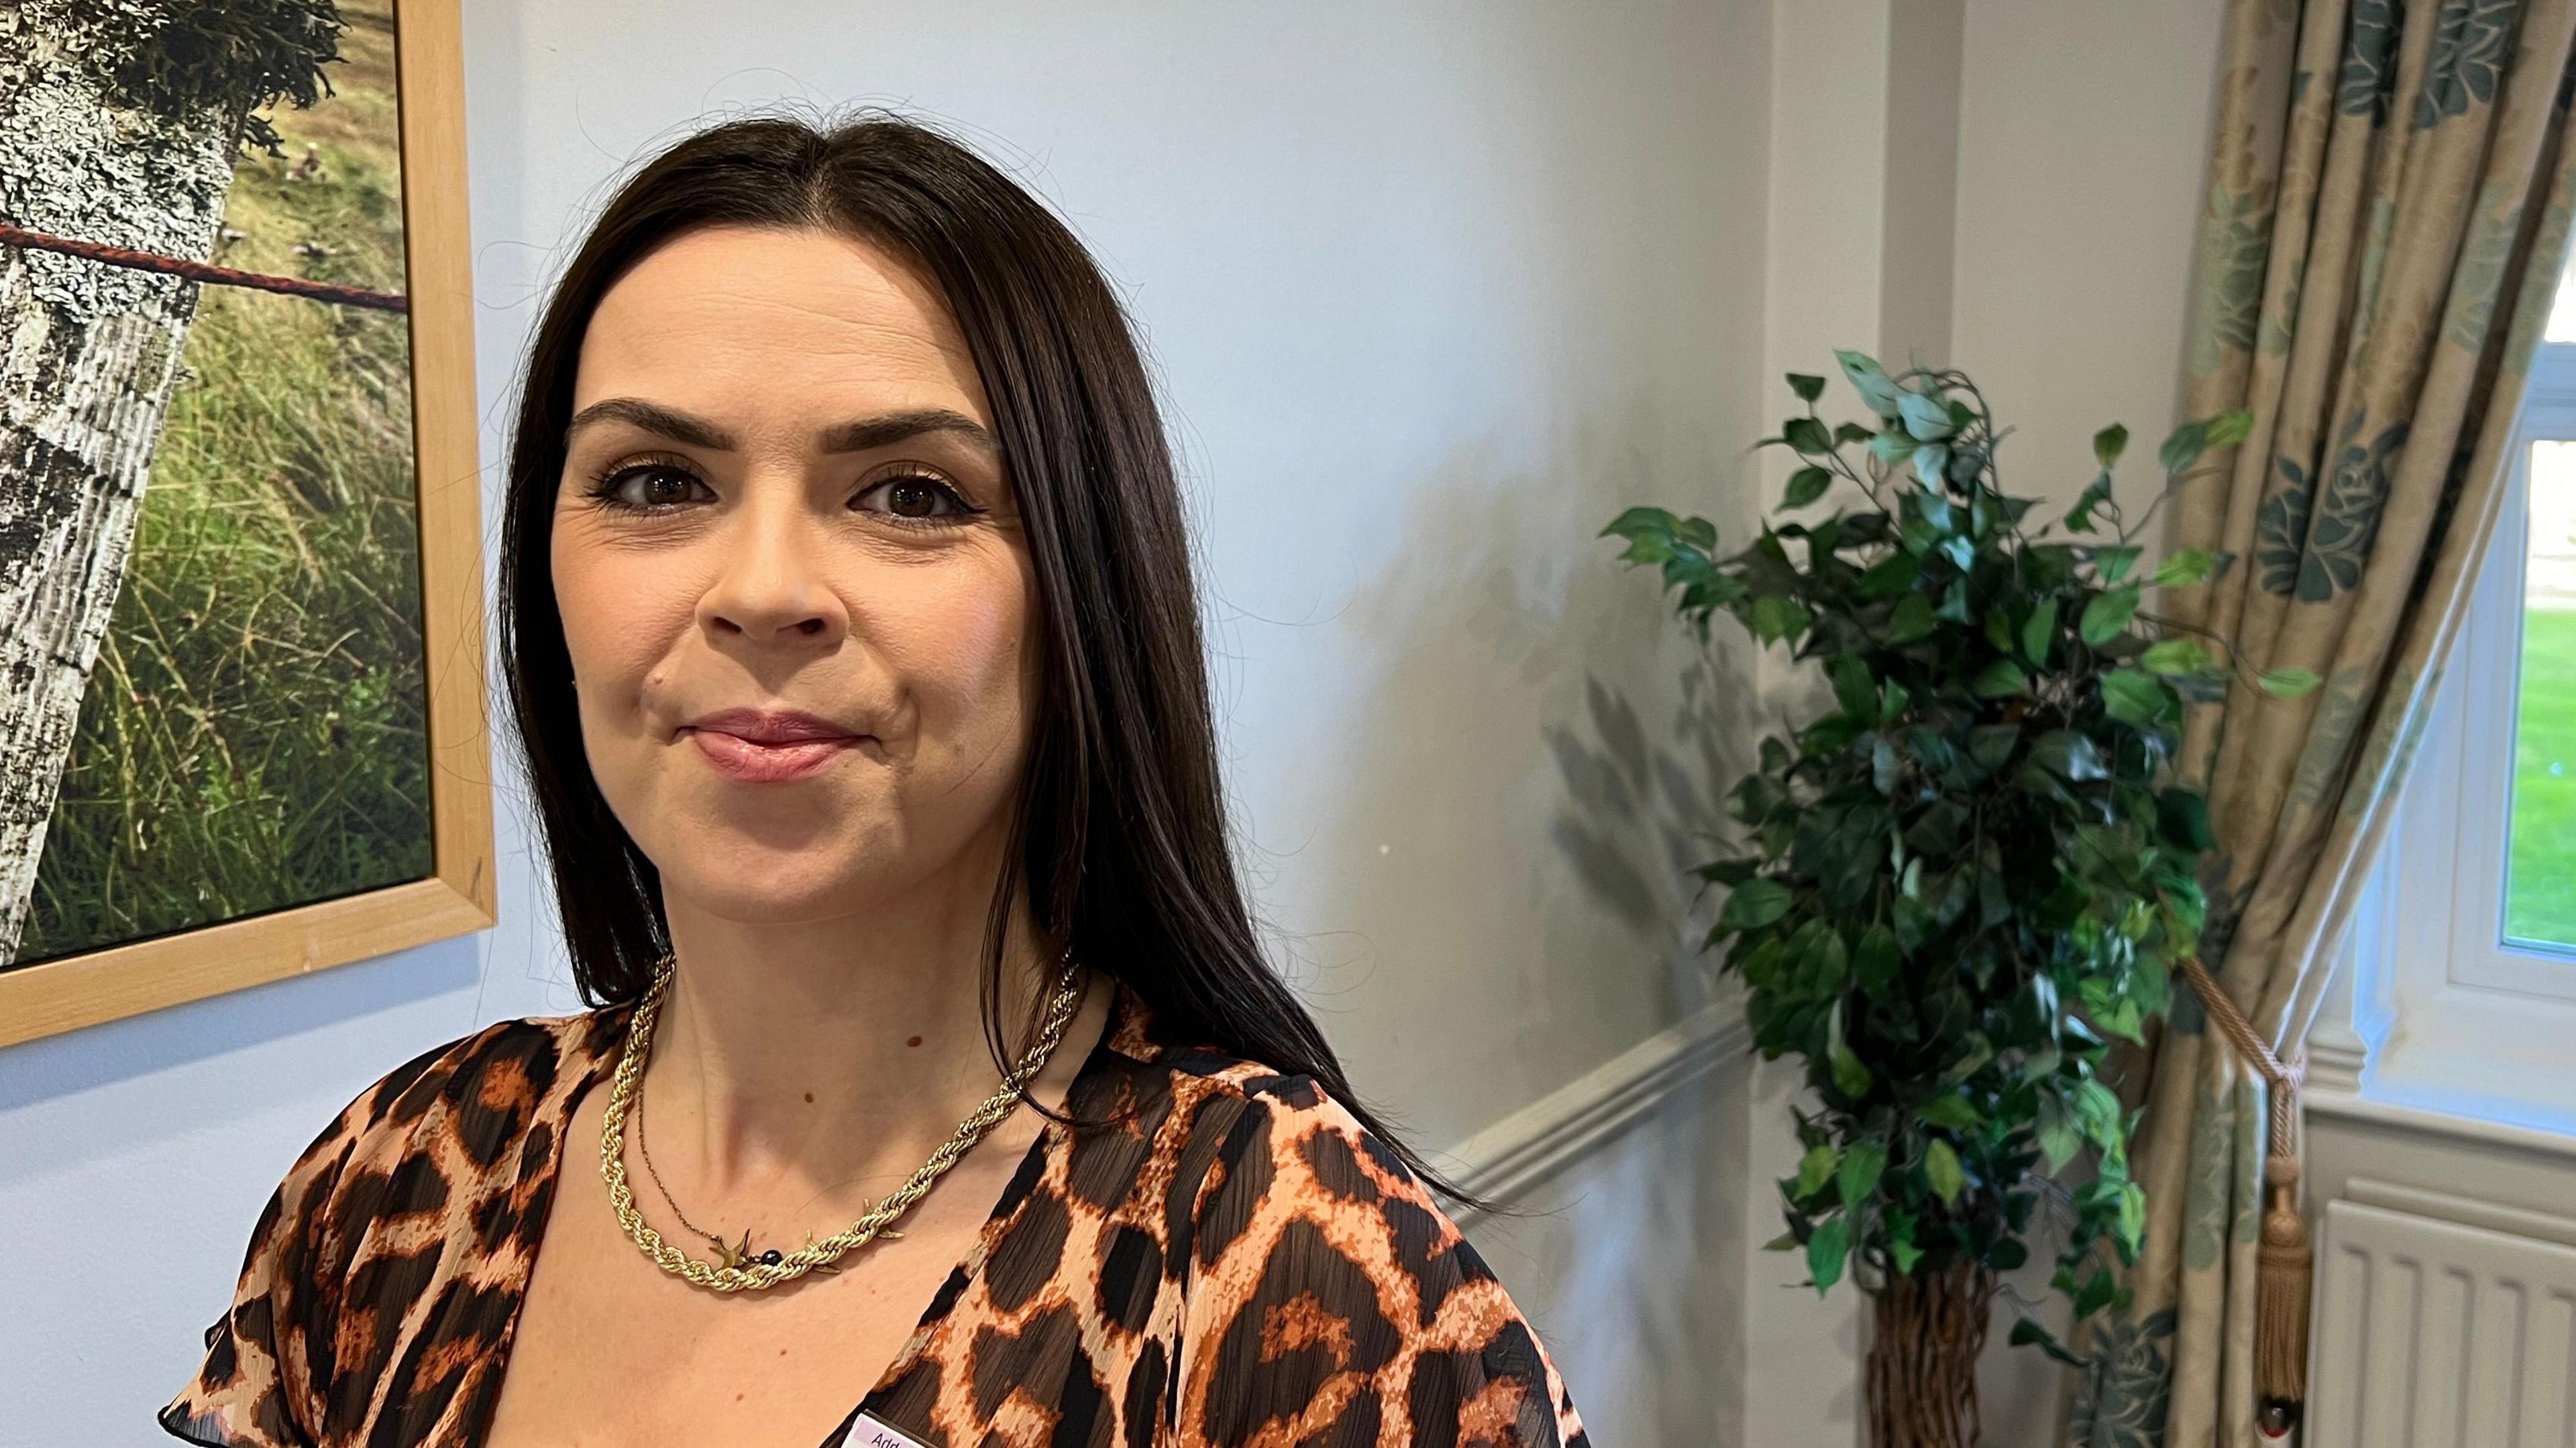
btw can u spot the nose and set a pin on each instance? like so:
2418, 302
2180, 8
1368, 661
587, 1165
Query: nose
771, 588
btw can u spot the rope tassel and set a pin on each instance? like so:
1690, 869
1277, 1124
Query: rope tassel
2285, 1268
2285, 1263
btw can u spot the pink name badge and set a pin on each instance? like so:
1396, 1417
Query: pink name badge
867, 1432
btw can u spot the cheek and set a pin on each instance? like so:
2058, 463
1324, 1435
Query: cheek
621, 609
967, 648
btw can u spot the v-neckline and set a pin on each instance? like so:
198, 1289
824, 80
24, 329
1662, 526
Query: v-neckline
598, 1041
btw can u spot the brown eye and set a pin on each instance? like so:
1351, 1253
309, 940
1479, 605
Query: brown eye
648, 486
914, 498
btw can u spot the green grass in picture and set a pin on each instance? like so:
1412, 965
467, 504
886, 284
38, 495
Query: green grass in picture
254, 735
2540, 893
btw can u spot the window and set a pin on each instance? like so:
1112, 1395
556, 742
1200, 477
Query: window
2464, 952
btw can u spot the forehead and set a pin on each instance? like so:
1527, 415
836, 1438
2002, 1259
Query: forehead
742, 323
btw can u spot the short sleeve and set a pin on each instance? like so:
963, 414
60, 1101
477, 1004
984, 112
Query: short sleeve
1328, 1300
256, 1388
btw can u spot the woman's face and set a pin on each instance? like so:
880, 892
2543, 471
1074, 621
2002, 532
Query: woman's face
791, 575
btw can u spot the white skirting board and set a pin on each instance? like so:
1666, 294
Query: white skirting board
2442, 1323
1543, 1138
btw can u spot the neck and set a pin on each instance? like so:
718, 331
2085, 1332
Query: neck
827, 1059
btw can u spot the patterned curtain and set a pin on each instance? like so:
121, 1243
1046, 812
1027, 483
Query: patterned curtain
2387, 219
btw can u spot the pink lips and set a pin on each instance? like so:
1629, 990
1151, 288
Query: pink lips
768, 746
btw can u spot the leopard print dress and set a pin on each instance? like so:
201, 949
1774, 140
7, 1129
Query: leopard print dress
1234, 1263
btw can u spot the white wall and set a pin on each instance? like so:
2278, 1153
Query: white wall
1435, 290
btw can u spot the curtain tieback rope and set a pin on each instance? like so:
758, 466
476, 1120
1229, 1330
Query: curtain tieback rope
2285, 1262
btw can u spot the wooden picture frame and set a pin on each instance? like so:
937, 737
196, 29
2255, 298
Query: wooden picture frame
63, 994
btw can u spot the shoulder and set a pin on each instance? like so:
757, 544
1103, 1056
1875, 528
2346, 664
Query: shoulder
1286, 1131
1307, 1223
439, 1137
483, 1090
432, 1132
1269, 1157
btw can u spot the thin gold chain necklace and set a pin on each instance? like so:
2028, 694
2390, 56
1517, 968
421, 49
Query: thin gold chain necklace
745, 1276
729, 1253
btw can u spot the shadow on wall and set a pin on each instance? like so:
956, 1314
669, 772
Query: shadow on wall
1529, 775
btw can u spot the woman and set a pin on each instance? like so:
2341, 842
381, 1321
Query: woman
851, 635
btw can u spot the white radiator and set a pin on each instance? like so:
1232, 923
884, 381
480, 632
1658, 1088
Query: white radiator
2451, 1325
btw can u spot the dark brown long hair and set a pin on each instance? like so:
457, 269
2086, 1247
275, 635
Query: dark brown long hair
1119, 824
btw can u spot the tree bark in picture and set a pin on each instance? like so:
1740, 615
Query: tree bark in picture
119, 124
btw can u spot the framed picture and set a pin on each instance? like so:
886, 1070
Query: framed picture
241, 633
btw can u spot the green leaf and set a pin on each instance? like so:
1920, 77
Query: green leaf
1890, 576
2057, 1131
2107, 615
1807, 386
1941, 1171
1912, 621
1999, 680
1926, 420
1778, 616
2069, 756
2286, 683
2187, 566
2175, 656
1951, 1110
2028, 1333
1815, 1169
1825, 962
2133, 696
1785, 1242
1929, 461
2114, 562
2183, 446
1754, 904
2038, 631
1891, 705
1871, 381
1851, 1077
1825, 1252
1906, 1254
2098, 1109
2108, 442
1858, 1176
1891, 447
2183, 815
1854, 689
1879, 960
1649, 532
2230, 428
1807, 435
1999, 630
1806, 485
2079, 518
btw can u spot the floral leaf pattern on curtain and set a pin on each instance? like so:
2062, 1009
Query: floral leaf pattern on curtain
2378, 257
2121, 1404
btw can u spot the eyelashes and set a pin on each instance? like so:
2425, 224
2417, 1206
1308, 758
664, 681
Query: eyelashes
650, 486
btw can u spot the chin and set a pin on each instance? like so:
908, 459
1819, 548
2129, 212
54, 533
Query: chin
767, 889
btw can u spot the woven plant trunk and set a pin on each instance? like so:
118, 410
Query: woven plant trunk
1921, 1377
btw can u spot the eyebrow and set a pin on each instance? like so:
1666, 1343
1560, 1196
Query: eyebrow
857, 435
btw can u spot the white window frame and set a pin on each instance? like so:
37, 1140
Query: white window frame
2446, 1014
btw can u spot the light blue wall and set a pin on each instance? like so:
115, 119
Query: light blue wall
1434, 289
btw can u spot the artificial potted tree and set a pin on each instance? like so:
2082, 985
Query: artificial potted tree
1969, 873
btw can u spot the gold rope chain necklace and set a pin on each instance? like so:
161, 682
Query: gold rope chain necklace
736, 1274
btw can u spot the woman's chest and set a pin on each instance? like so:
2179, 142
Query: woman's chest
610, 1349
